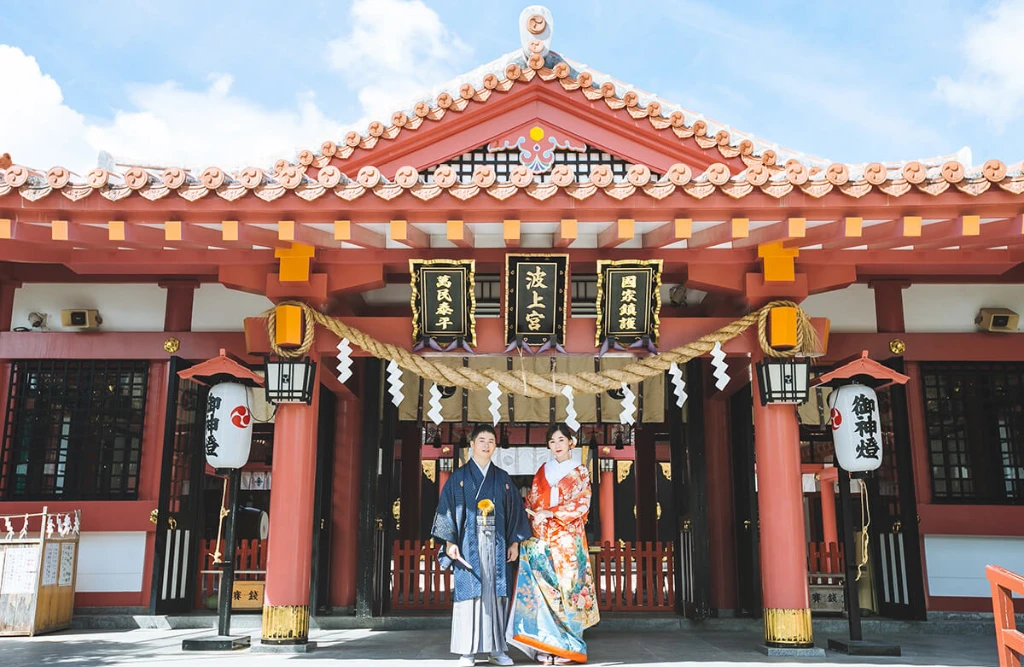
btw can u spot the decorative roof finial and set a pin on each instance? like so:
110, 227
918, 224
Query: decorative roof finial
535, 28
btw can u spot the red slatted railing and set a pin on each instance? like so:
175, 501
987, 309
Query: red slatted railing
250, 565
417, 582
1009, 640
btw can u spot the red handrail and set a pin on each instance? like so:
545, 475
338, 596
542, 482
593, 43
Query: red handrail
1009, 640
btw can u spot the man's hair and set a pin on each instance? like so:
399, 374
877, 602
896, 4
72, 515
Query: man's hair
482, 428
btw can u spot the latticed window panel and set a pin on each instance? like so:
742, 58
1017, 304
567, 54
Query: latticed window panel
73, 430
975, 423
502, 162
188, 433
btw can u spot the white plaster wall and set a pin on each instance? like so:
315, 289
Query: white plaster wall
111, 562
956, 563
952, 308
122, 307
217, 308
850, 310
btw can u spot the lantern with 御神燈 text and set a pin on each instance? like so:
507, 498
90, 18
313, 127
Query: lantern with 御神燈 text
856, 427
228, 433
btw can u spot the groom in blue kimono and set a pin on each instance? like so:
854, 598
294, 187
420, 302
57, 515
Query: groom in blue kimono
481, 519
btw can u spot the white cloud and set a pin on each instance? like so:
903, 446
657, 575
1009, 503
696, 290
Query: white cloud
395, 50
36, 127
992, 83
166, 124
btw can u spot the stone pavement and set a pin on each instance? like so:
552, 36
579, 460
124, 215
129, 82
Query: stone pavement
429, 648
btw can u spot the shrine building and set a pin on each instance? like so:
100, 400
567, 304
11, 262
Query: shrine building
538, 242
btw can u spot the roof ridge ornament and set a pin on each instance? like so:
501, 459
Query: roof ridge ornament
535, 28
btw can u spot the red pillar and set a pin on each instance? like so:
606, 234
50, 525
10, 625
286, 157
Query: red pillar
828, 516
178, 308
348, 448
290, 548
606, 489
787, 614
889, 305
442, 478
721, 520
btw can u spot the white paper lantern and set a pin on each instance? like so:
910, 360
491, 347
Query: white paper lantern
856, 427
228, 425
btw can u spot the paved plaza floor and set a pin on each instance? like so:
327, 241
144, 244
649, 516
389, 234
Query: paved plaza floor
429, 648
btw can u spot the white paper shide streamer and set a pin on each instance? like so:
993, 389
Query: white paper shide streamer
628, 414
678, 384
435, 404
344, 360
494, 397
395, 383
721, 372
570, 409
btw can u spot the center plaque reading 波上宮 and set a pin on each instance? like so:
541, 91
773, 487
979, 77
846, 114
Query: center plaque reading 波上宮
443, 302
536, 299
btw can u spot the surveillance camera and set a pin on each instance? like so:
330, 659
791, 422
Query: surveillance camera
37, 320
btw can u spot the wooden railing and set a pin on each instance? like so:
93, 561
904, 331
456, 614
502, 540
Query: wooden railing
825, 558
1009, 640
417, 581
629, 577
250, 565
636, 577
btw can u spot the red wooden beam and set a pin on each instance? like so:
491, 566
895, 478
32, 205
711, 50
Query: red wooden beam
678, 230
459, 233
724, 232
1005, 232
790, 229
566, 234
403, 232
347, 231
616, 234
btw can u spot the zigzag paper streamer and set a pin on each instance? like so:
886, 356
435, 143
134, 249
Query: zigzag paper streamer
24, 528
721, 368
494, 395
395, 383
67, 524
9, 527
344, 360
570, 409
49, 526
435, 404
78, 523
628, 414
678, 384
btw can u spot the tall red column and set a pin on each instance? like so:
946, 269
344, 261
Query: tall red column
889, 305
787, 613
606, 490
180, 300
290, 549
345, 510
721, 523
828, 516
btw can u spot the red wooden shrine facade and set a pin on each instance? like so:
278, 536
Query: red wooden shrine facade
898, 257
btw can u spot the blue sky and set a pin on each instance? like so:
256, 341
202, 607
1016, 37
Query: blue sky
231, 83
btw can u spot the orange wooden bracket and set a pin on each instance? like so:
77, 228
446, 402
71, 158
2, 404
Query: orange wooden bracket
289, 326
779, 264
295, 262
782, 327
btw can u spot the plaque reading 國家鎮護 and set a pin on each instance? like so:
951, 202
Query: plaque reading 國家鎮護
628, 303
536, 299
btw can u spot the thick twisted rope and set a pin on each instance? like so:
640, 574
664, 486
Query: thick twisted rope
533, 385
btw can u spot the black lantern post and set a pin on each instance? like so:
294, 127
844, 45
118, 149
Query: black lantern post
784, 380
290, 380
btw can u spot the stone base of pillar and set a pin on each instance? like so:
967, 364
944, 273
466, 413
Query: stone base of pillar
786, 628
285, 625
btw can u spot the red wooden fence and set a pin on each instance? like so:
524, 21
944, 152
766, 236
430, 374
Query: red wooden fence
1009, 640
250, 565
629, 577
825, 558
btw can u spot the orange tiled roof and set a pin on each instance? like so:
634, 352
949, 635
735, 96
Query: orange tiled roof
769, 169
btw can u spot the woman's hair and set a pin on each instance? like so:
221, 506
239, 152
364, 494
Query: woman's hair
559, 428
482, 428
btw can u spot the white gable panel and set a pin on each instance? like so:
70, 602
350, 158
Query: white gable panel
122, 307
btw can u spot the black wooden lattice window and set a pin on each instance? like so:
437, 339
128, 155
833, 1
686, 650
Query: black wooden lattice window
73, 430
974, 414
503, 161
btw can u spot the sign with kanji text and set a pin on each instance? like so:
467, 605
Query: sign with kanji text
856, 427
628, 301
536, 299
443, 302
247, 594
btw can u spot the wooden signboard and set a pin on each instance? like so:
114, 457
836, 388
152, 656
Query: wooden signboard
38, 559
247, 595
536, 298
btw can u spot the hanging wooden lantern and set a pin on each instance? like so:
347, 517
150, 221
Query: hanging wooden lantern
856, 427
